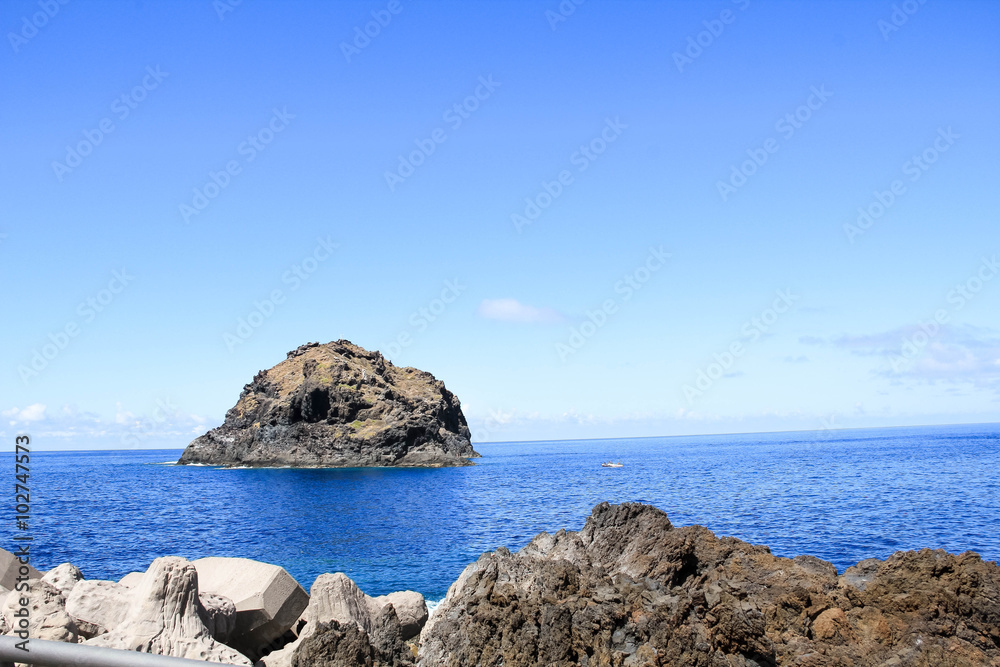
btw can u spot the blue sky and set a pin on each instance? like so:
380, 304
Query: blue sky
594, 220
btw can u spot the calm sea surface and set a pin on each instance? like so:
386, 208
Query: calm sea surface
839, 495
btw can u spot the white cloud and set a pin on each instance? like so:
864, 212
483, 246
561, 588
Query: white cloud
123, 429
512, 310
951, 354
32, 413
123, 416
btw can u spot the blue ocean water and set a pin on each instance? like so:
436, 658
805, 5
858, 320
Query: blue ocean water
839, 495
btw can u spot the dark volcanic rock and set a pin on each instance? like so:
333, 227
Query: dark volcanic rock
630, 589
336, 645
338, 405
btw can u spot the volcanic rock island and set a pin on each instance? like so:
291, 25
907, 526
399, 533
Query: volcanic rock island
338, 405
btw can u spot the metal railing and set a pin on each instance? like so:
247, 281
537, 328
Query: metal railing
46, 653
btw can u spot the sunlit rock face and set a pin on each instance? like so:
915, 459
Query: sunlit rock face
339, 405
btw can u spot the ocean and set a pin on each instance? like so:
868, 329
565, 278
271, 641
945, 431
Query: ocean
840, 495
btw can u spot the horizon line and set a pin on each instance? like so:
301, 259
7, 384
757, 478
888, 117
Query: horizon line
639, 437
709, 435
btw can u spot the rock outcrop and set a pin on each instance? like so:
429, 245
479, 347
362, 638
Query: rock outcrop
411, 610
335, 604
163, 610
345, 645
630, 589
339, 405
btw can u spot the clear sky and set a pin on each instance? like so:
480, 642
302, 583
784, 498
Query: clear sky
593, 220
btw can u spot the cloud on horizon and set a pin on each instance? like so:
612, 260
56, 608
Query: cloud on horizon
32, 413
512, 310
125, 430
949, 354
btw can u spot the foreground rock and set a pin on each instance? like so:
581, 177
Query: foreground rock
10, 570
47, 617
345, 645
131, 580
267, 600
64, 577
411, 610
338, 405
98, 606
165, 617
630, 589
351, 622
219, 616
164, 610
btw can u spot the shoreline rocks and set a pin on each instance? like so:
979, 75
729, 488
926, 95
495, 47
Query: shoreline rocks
631, 589
338, 405
233, 611
47, 617
267, 601
64, 577
165, 616
627, 590
340, 615
97, 606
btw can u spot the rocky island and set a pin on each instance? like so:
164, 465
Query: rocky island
338, 405
627, 590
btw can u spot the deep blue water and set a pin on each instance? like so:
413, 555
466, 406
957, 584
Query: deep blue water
839, 495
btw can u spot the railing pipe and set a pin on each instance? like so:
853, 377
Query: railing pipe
44, 653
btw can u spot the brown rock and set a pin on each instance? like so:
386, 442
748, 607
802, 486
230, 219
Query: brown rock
631, 589
338, 405
336, 645
832, 627
335, 598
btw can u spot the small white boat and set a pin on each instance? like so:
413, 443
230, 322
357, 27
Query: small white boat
609, 464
